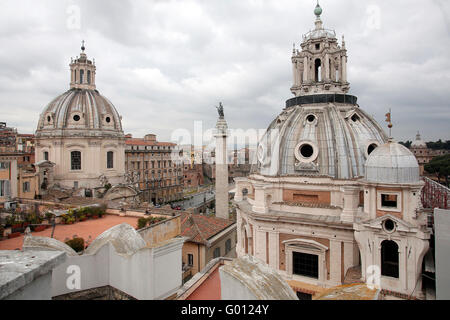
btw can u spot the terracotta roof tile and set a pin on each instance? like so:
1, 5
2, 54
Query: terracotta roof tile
200, 228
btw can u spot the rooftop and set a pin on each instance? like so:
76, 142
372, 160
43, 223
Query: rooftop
92, 228
200, 228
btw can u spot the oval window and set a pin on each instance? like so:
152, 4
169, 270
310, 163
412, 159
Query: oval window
306, 151
389, 225
76, 117
108, 119
311, 118
49, 119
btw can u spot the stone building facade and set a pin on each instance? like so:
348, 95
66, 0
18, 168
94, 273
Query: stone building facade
81, 132
150, 164
331, 193
423, 154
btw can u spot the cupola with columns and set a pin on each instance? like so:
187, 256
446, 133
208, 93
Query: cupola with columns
82, 72
320, 67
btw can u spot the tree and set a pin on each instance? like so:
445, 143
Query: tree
440, 166
407, 144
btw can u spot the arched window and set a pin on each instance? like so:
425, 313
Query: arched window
75, 160
389, 259
110, 160
89, 77
46, 155
318, 70
81, 76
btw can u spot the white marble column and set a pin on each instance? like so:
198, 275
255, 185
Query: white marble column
221, 169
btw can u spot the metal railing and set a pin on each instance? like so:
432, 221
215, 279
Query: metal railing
435, 195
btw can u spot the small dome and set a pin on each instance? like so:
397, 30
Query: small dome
392, 163
418, 143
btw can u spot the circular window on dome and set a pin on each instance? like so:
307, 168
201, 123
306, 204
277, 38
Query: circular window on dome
49, 119
76, 118
108, 119
311, 118
389, 226
306, 152
355, 117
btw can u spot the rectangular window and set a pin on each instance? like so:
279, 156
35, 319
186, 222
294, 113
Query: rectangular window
227, 246
4, 165
26, 187
89, 77
75, 160
110, 160
216, 253
306, 265
81, 76
5, 189
190, 260
389, 200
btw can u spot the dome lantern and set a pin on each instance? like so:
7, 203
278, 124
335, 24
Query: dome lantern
82, 72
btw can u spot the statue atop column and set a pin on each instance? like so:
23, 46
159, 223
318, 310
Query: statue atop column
220, 111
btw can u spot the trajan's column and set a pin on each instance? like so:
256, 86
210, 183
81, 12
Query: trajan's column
221, 166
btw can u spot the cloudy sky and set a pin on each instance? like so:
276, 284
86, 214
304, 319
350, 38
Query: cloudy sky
165, 64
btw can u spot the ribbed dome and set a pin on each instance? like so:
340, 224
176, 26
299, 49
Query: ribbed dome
321, 139
79, 110
392, 163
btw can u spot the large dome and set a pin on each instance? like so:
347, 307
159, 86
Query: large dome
80, 110
321, 139
392, 163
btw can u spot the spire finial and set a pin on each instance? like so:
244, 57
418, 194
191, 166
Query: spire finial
82, 46
318, 10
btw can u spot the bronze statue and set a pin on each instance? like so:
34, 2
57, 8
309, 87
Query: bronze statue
220, 110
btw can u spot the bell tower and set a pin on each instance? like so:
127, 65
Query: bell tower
320, 67
82, 72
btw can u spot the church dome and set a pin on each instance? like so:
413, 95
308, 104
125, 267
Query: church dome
82, 110
392, 163
322, 131
319, 139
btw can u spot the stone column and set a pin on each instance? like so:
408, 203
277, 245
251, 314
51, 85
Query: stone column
344, 69
305, 70
327, 68
221, 169
351, 203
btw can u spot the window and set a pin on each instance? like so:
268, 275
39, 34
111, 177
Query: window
81, 76
75, 160
46, 155
216, 253
4, 165
306, 151
89, 77
76, 118
317, 46
227, 246
304, 264
110, 160
190, 260
318, 70
26, 187
389, 259
303, 296
5, 189
389, 200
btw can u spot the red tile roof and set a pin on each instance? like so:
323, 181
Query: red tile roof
200, 228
